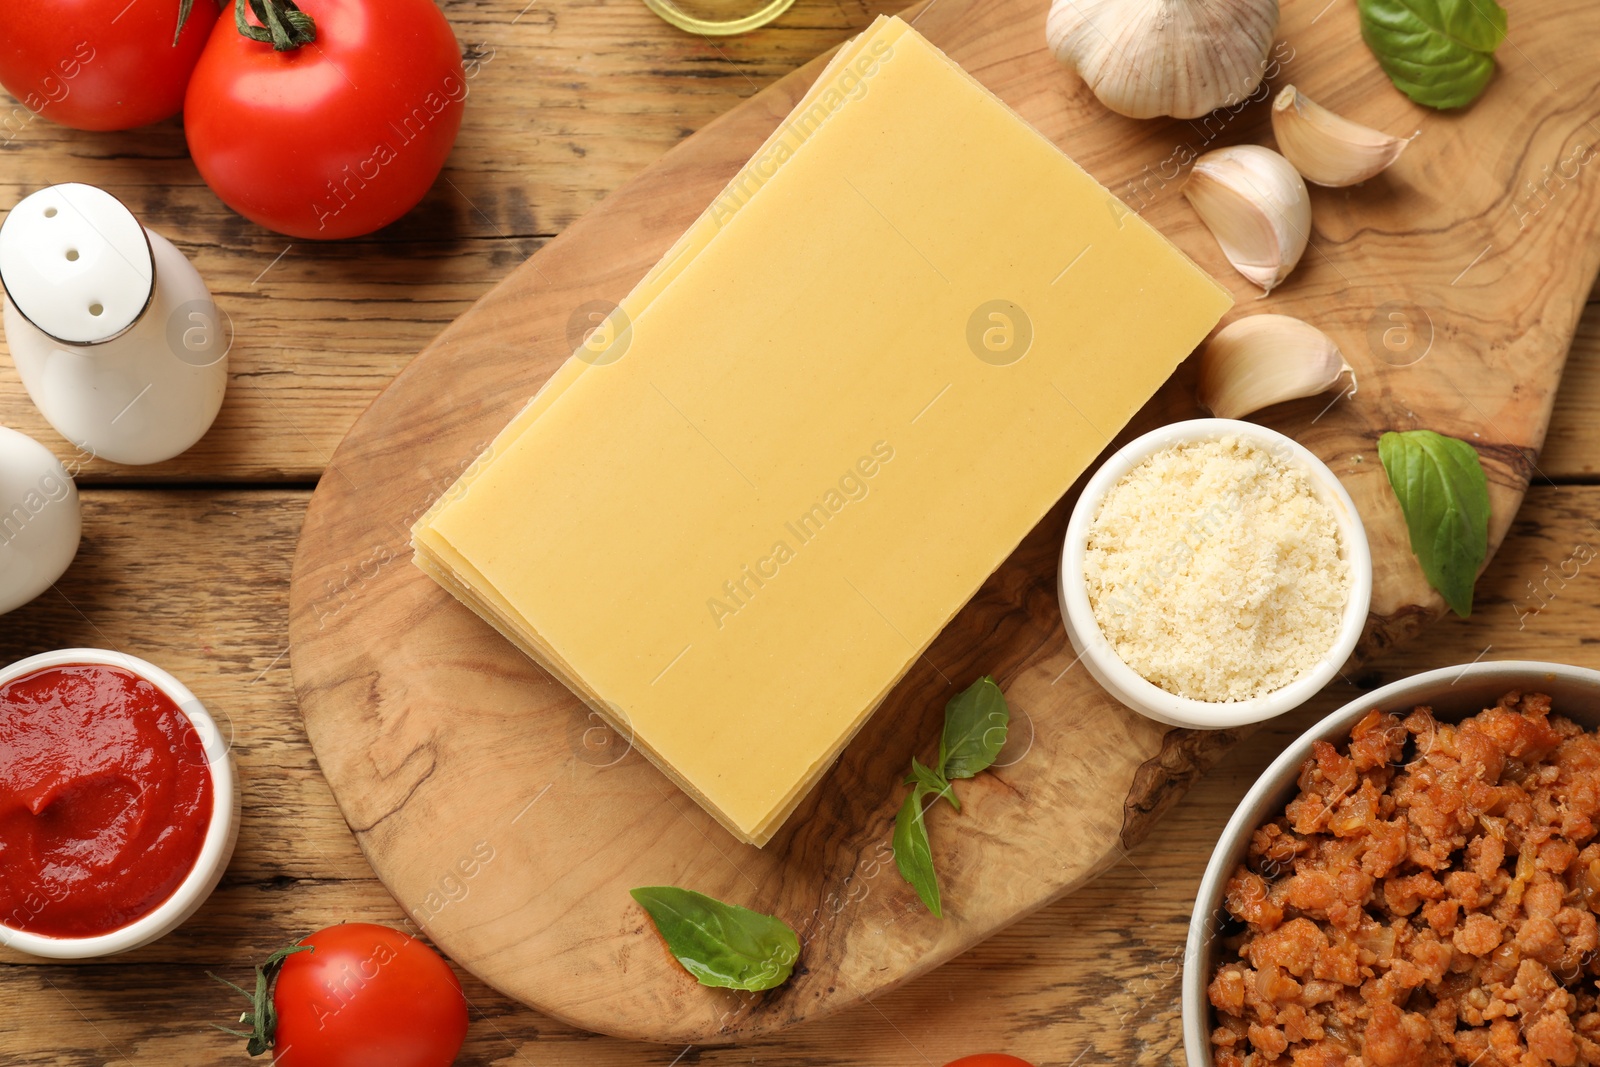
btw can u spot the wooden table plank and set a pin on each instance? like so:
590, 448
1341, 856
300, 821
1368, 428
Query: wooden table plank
1096, 971
1572, 447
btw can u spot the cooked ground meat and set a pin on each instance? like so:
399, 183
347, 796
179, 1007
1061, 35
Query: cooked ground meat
1428, 898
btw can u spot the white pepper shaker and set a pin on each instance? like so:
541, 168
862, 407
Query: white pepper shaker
113, 331
40, 519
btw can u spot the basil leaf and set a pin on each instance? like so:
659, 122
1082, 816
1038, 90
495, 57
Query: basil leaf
722, 945
933, 782
912, 852
975, 724
1444, 495
1438, 52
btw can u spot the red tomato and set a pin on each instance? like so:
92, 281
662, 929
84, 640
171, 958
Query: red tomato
336, 138
989, 1059
98, 64
367, 996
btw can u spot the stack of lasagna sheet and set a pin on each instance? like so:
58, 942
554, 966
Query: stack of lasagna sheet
750, 501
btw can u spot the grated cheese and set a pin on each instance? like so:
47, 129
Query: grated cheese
1216, 572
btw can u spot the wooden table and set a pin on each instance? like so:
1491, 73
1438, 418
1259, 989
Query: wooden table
187, 564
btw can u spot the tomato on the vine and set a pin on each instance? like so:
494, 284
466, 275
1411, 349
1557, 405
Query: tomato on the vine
357, 995
326, 119
99, 64
989, 1059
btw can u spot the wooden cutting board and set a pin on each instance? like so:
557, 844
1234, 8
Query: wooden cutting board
510, 822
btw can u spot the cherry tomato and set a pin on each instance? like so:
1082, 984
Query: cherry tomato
367, 996
989, 1059
334, 138
98, 64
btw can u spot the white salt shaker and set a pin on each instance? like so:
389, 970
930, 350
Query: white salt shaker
40, 519
113, 331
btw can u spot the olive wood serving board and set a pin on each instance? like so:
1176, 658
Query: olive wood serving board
510, 823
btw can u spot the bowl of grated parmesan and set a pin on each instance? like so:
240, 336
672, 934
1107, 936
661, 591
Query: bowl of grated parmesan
1215, 573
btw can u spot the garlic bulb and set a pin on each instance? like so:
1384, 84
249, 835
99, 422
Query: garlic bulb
1261, 360
1326, 148
1182, 58
1256, 206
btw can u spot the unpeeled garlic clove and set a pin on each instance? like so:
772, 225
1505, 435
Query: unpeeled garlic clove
1326, 148
1183, 58
1256, 206
1261, 360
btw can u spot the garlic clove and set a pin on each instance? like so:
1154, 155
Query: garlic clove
1261, 360
1256, 206
1183, 58
1327, 148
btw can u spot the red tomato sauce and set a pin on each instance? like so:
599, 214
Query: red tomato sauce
105, 799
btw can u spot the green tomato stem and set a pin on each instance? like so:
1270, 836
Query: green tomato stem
279, 23
184, 9
262, 1018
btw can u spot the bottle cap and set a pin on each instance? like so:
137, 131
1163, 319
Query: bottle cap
76, 263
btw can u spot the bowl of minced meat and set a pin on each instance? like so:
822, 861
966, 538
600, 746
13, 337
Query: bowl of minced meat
1415, 881
1214, 573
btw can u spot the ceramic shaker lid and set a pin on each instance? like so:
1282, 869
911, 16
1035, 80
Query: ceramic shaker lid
76, 263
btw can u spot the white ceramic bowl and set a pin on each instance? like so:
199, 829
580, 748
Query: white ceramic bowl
1454, 693
1126, 684
37, 492
215, 851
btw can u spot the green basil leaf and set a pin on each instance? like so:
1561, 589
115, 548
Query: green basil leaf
722, 945
1444, 495
975, 724
1438, 52
912, 852
934, 782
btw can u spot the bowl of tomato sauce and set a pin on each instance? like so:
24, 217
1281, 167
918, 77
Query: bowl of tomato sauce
118, 803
